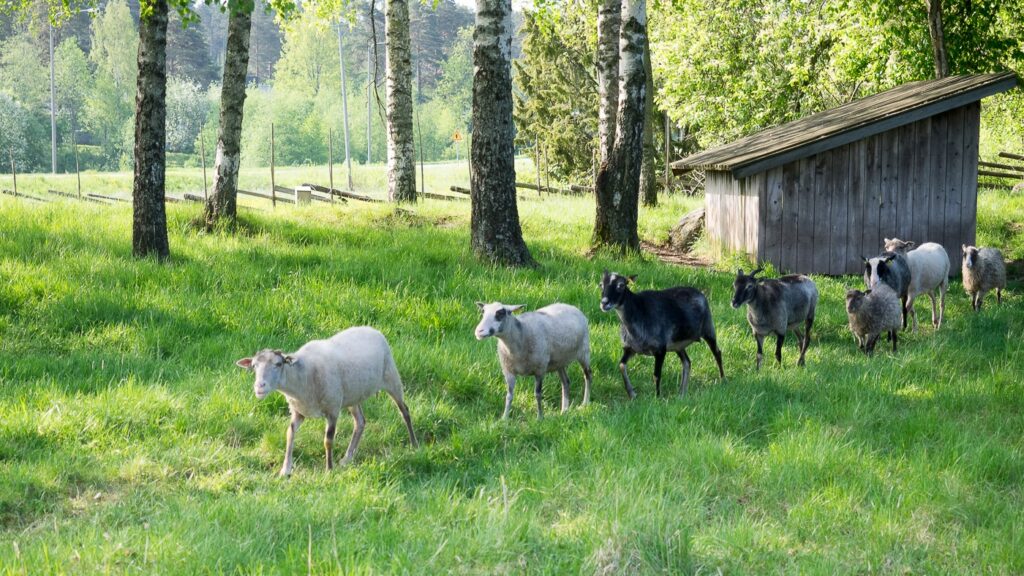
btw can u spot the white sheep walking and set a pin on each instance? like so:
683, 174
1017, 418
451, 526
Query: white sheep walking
325, 376
535, 343
929, 274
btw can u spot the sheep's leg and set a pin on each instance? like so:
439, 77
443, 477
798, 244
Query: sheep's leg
357, 433
869, 348
565, 388
659, 361
626, 355
760, 349
332, 421
713, 345
804, 339
510, 382
405, 416
931, 296
911, 312
684, 378
779, 339
293, 429
999, 295
538, 392
943, 288
588, 376
903, 302
894, 339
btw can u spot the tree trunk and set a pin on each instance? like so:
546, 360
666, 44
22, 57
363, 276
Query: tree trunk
401, 152
222, 205
609, 19
939, 53
618, 179
648, 179
495, 233
149, 219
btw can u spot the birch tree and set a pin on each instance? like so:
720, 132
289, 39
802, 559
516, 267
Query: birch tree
401, 153
222, 205
149, 218
609, 20
495, 234
618, 178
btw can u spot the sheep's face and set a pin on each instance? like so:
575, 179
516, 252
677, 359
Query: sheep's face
744, 288
970, 256
899, 246
875, 269
495, 319
613, 290
854, 299
269, 366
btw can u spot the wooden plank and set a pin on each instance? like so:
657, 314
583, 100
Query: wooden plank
904, 182
954, 185
937, 176
1001, 166
855, 234
790, 216
871, 237
111, 198
839, 212
805, 216
822, 211
283, 190
969, 190
23, 195
920, 181
1004, 175
751, 193
265, 196
773, 217
888, 162
1011, 156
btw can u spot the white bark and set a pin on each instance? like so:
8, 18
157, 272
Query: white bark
609, 19
401, 150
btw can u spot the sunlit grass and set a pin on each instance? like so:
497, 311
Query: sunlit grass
130, 443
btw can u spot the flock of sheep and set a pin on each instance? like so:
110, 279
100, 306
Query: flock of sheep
325, 376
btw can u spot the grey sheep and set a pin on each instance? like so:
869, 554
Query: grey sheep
536, 343
872, 312
983, 270
323, 377
775, 306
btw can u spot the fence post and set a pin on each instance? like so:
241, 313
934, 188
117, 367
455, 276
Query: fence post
330, 160
273, 185
14, 173
202, 151
536, 150
78, 172
668, 154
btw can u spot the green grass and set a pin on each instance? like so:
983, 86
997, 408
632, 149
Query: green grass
129, 443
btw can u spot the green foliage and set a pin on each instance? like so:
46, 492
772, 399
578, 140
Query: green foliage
110, 105
187, 109
131, 444
14, 133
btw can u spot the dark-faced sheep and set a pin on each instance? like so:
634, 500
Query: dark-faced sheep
891, 269
775, 307
929, 274
655, 322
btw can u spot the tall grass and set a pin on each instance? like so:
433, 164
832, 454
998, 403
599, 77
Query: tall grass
129, 443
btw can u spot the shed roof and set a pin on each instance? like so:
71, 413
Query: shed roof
847, 123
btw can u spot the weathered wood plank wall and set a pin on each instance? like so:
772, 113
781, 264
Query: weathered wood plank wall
822, 213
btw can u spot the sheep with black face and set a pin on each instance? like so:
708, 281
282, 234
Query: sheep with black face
655, 322
323, 377
536, 343
929, 274
775, 306
891, 269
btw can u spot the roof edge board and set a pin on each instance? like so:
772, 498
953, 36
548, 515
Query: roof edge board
867, 130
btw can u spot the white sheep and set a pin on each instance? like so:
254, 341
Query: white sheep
325, 376
535, 343
983, 270
929, 274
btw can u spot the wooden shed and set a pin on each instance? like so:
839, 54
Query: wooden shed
814, 195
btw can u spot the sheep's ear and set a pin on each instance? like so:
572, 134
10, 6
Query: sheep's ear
911, 244
889, 258
739, 271
515, 307
480, 306
245, 363
289, 359
865, 260
886, 240
963, 247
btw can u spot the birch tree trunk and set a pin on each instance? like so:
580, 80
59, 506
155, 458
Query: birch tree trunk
648, 179
618, 179
149, 216
222, 205
939, 54
609, 19
401, 152
495, 234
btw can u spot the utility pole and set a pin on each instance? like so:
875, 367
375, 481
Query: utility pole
370, 80
53, 111
344, 105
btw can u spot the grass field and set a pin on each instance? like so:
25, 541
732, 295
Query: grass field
129, 443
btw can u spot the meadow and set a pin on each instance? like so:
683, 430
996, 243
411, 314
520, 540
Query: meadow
130, 443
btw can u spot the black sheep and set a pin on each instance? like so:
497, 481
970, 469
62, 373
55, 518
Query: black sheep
892, 269
655, 322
